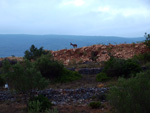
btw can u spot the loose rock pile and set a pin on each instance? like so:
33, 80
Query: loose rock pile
73, 96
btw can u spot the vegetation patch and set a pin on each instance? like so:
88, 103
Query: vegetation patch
49, 67
39, 104
95, 105
68, 76
131, 95
102, 77
23, 77
143, 58
115, 67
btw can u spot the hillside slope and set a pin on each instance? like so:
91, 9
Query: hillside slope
83, 54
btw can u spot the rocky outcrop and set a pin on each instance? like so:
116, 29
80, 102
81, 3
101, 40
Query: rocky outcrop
83, 54
103, 53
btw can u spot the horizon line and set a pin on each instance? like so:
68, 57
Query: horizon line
73, 35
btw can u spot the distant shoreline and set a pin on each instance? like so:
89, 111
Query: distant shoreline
17, 44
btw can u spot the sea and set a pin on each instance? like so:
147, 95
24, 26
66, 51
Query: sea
17, 44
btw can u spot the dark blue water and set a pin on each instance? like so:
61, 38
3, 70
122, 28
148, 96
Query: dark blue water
17, 44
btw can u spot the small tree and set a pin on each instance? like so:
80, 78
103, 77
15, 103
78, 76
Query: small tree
34, 53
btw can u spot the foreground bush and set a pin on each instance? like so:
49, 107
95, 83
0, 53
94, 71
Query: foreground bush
34, 53
132, 95
39, 104
23, 77
115, 67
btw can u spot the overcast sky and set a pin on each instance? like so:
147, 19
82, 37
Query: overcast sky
128, 18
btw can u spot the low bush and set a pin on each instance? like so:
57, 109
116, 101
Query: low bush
34, 107
49, 68
54, 70
115, 67
23, 77
102, 77
143, 58
131, 95
95, 105
39, 104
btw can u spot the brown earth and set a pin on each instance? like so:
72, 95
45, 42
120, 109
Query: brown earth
83, 54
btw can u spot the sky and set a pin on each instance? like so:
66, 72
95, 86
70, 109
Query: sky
126, 18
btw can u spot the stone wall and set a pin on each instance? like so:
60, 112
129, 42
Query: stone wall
90, 71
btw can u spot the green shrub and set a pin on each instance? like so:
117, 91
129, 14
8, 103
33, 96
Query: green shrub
34, 53
34, 107
54, 70
143, 58
48, 67
132, 95
52, 111
121, 67
24, 77
68, 76
95, 105
102, 77
39, 103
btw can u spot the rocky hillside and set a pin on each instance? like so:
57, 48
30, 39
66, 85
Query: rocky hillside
103, 52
